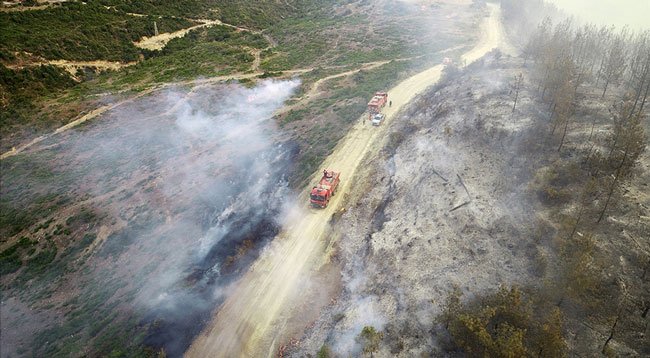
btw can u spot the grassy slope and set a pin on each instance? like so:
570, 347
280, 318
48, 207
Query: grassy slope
107, 34
79, 32
308, 34
206, 52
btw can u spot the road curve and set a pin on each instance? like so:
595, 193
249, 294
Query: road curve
261, 307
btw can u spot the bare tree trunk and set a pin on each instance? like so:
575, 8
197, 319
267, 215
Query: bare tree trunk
575, 89
613, 186
611, 332
611, 150
575, 226
545, 82
636, 98
526, 55
591, 151
566, 125
518, 80
609, 196
553, 110
600, 70
555, 123
605, 90
645, 96
639, 89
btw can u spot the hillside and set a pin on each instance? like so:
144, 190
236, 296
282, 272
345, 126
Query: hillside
158, 161
115, 220
455, 206
308, 35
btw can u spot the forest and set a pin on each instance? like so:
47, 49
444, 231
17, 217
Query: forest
594, 83
587, 85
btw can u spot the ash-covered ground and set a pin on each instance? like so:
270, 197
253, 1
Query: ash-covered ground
453, 200
445, 204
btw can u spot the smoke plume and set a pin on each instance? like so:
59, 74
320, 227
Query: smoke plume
187, 186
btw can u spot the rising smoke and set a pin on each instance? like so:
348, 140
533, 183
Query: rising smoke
238, 171
362, 310
190, 186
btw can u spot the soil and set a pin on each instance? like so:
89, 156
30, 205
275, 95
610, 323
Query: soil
158, 42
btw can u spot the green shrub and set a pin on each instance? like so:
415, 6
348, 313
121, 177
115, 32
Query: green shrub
370, 339
324, 352
84, 217
11, 258
504, 324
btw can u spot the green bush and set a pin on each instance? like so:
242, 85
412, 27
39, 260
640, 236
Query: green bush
187, 8
324, 352
84, 217
504, 324
10, 259
23, 87
370, 339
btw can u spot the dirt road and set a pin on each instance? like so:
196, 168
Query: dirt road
73, 66
196, 84
272, 300
159, 41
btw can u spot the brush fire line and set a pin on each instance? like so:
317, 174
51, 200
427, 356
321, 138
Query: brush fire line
321, 193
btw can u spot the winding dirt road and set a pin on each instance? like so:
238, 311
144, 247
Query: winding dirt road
269, 303
159, 41
73, 66
196, 84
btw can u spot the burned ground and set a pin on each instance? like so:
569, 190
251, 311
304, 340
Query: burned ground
454, 202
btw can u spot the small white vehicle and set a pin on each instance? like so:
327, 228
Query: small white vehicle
377, 118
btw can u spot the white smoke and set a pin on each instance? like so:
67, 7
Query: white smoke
191, 176
227, 137
363, 311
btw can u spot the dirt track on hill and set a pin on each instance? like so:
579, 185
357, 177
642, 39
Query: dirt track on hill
276, 298
73, 66
159, 41
196, 84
